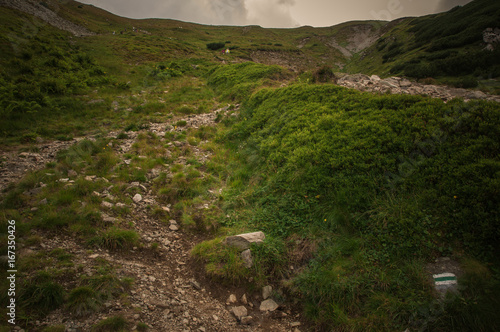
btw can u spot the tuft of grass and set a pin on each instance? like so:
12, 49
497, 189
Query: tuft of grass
222, 262
142, 327
41, 294
181, 123
115, 238
83, 301
112, 324
54, 328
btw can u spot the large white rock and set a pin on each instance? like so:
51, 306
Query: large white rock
243, 241
240, 312
268, 305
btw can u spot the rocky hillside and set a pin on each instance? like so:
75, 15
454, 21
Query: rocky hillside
47, 14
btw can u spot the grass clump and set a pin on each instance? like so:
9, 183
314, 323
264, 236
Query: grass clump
115, 238
41, 294
222, 262
115, 324
142, 327
82, 301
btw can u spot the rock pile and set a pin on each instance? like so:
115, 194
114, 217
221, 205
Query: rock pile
398, 85
490, 37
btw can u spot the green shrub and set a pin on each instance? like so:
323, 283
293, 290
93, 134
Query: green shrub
215, 46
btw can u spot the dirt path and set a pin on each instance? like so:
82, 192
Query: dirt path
170, 291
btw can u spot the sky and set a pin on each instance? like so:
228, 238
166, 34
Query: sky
274, 13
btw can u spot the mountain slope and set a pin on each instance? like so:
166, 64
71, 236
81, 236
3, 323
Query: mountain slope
451, 44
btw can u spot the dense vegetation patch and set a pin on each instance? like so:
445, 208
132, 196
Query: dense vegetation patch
382, 183
237, 81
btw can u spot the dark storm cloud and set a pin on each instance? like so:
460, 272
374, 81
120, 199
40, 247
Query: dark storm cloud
268, 13
275, 13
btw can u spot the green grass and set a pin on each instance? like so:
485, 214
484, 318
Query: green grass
116, 323
83, 301
41, 294
115, 238
356, 191
358, 173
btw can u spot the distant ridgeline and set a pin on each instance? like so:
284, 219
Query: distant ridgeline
458, 43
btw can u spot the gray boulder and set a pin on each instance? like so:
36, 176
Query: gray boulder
243, 241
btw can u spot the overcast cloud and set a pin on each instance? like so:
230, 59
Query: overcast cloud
274, 13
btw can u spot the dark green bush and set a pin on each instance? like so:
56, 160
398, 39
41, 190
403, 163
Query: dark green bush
215, 46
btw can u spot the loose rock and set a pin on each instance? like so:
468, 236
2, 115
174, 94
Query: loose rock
243, 241
268, 305
239, 312
137, 198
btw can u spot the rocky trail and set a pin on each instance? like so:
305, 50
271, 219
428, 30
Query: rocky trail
170, 291
399, 85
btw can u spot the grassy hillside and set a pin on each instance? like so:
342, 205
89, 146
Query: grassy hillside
371, 187
357, 193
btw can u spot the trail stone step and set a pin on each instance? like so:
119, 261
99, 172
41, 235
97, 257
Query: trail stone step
243, 241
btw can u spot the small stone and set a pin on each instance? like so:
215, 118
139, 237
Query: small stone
107, 205
121, 205
244, 299
215, 317
90, 177
94, 256
95, 193
266, 292
108, 219
195, 284
246, 255
72, 173
295, 324
268, 305
247, 320
137, 198
173, 228
34, 209
239, 312
43, 202
172, 222
232, 299
166, 209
